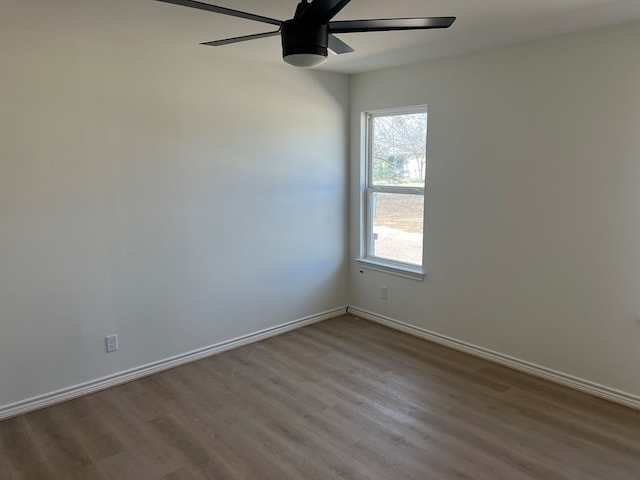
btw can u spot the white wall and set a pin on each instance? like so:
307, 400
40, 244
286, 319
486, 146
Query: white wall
171, 197
532, 238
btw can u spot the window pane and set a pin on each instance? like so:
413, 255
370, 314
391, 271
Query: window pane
397, 221
398, 149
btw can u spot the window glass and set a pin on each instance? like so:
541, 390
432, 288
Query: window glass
398, 149
397, 227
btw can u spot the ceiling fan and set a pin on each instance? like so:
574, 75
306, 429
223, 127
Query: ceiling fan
308, 36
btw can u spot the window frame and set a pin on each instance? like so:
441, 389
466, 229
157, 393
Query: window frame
367, 259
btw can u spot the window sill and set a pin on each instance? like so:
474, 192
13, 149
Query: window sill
404, 271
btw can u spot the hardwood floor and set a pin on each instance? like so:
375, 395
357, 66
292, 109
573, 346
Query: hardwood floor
344, 398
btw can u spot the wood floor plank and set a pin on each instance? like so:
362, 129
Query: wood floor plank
18, 446
344, 398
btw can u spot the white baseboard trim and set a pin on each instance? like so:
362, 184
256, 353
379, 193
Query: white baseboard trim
65, 394
570, 381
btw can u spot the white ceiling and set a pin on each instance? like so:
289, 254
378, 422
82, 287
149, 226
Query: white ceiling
480, 24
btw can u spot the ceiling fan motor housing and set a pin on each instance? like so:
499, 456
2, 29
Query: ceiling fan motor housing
303, 38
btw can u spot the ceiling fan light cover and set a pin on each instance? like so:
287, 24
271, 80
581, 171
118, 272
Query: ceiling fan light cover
305, 60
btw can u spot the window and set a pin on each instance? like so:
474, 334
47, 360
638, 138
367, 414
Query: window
395, 165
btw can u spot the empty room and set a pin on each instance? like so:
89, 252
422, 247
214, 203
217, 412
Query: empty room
320, 239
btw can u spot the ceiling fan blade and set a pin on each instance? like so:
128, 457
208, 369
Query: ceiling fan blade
224, 11
321, 11
383, 25
337, 46
244, 38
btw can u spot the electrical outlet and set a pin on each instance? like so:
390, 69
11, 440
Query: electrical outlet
112, 343
383, 293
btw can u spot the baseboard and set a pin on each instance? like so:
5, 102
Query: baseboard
570, 381
103, 383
